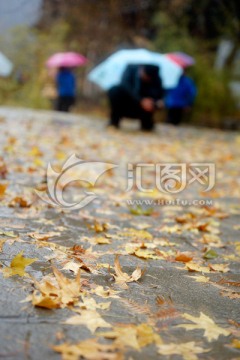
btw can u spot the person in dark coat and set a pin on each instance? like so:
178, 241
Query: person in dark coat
66, 89
180, 99
138, 95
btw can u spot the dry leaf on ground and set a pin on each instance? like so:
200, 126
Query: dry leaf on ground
188, 350
122, 278
18, 265
90, 318
133, 336
211, 330
89, 350
64, 293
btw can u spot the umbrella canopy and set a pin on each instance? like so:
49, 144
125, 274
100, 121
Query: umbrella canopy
66, 59
181, 59
5, 65
109, 72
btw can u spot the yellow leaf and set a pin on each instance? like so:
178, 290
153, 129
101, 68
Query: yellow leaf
122, 278
8, 233
17, 266
89, 350
191, 266
124, 336
65, 293
38, 162
146, 254
45, 301
136, 234
35, 151
200, 278
72, 266
219, 267
60, 155
90, 304
101, 240
147, 336
1, 244
236, 343
42, 237
133, 336
100, 291
188, 350
3, 188
90, 318
211, 330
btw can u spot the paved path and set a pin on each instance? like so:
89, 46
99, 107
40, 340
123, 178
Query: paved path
185, 305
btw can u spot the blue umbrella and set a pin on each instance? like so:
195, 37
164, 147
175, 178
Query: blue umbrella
109, 72
5, 65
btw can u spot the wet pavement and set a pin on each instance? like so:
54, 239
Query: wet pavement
189, 253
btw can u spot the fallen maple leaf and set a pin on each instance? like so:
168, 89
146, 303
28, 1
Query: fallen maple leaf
21, 202
100, 227
90, 304
136, 234
101, 240
231, 294
138, 210
2, 242
90, 318
183, 257
211, 330
8, 233
200, 278
65, 293
45, 236
219, 267
3, 188
133, 336
100, 291
89, 350
122, 278
146, 254
236, 343
211, 240
3, 169
187, 350
210, 254
191, 266
17, 266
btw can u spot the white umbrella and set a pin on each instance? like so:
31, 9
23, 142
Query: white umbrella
110, 71
5, 65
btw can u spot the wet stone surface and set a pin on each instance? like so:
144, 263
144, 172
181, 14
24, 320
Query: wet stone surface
189, 254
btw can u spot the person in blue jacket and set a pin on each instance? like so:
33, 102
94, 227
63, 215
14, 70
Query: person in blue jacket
66, 89
180, 99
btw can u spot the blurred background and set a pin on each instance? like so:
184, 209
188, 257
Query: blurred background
32, 30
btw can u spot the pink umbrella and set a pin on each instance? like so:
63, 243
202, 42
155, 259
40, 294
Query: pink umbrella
66, 59
181, 59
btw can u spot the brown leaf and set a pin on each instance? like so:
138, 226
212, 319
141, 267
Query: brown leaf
66, 292
183, 257
122, 278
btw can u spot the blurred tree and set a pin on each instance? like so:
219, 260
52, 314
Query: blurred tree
28, 50
98, 27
